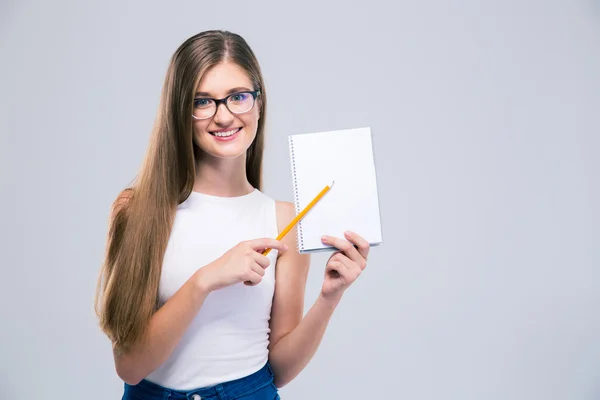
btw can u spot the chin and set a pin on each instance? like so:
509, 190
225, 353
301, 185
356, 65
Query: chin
229, 155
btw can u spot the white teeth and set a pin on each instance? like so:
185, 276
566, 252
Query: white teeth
225, 134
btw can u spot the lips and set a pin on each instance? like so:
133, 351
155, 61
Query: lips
225, 133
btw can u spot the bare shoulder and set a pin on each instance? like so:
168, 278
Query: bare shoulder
123, 198
285, 213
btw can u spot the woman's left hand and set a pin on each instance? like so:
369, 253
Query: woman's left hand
345, 264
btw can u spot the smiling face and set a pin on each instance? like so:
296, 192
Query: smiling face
225, 134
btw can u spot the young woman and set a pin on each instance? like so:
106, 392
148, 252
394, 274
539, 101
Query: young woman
192, 307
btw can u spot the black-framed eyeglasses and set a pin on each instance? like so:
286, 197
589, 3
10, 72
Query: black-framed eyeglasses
236, 103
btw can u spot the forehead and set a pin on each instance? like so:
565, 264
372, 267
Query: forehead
221, 78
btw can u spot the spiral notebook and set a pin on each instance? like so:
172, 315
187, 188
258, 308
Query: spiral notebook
345, 157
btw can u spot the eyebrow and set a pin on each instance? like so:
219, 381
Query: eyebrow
230, 91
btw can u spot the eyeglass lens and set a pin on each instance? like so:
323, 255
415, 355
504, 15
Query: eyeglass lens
237, 103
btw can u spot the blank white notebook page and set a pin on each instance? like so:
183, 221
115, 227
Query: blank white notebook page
352, 203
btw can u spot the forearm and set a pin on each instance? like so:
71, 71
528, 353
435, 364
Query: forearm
291, 353
165, 330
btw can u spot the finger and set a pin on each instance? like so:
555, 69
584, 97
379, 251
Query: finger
334, 253
262, 261
349, 269
267, 243
332, 268
337, 265
259, 269
339, 260
345, 246
253, 278
337, 269
360, 242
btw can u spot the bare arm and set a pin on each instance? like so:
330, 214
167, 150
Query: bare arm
294, 340
294, 351
166, 328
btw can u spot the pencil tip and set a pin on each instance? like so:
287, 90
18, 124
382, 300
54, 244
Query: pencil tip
332, 182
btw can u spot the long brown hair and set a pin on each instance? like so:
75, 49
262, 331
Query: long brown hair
142, 215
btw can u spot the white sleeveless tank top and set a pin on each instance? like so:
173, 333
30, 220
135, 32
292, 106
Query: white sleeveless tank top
229, 337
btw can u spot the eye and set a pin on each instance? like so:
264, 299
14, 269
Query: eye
239, 97
202, 103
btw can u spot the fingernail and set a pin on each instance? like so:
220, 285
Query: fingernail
285, 247
324, 238
348, 233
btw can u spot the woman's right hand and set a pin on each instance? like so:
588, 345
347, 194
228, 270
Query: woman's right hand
242, 263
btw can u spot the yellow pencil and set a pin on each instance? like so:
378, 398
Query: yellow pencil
301, 214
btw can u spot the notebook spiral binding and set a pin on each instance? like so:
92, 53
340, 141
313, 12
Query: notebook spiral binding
295, 187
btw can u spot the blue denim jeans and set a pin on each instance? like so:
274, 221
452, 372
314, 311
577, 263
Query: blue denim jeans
257, 386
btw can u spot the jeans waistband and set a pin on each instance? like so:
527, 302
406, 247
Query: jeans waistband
232, 389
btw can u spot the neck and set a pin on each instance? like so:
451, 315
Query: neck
222, 177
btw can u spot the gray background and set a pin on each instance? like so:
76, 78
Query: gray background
486, 124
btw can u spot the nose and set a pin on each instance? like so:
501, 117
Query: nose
222, 115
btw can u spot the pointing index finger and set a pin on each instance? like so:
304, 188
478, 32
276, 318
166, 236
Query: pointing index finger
267, 243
